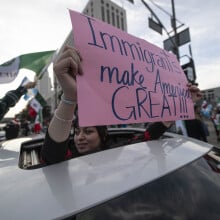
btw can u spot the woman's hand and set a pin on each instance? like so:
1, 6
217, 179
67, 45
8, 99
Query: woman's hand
30, 85
195, 92
66, 68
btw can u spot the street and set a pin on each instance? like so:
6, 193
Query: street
212, 138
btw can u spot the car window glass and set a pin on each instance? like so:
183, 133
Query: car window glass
189, 193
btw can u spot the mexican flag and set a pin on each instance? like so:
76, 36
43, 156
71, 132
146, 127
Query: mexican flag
38, 123
37, 62
36, 104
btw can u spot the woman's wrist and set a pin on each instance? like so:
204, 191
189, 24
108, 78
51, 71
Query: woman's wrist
68, 101
64, 120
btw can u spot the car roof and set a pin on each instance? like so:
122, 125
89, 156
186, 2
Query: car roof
66, 188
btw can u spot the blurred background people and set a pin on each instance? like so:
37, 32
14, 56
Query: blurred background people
216, 120
12, 130
196, 128
12, 97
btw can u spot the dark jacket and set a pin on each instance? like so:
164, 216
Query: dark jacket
10, 100
11, 130
195, 129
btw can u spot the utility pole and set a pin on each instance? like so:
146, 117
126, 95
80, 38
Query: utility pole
173, 22
172, 41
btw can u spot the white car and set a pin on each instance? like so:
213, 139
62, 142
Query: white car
171, 178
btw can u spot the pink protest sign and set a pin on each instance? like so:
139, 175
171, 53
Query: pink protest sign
126, 79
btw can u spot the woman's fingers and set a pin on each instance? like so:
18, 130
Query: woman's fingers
69, 62
195, 92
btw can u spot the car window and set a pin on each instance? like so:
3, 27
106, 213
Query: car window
30, 151
191, 192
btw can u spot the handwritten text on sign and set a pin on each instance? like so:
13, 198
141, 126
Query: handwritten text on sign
126, 79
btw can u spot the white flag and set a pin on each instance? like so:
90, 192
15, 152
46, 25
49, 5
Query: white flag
9, 70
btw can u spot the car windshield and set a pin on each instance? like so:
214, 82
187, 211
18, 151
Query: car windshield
191, 192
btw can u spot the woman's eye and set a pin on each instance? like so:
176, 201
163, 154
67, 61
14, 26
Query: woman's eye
77, 132
88, 131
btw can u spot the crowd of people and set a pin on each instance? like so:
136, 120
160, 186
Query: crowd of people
205, 113
21, 128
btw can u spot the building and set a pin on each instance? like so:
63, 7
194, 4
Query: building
44, 86
212, 95
108, 12
104, 10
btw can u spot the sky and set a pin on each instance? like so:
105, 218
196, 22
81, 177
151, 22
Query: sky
41, 25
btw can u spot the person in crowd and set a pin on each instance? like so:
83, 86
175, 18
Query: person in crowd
12, 130
26, 127
37, 127
196, 127
57, 144
216, 120
12, 97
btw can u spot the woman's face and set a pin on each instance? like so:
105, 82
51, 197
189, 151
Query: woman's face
87, 139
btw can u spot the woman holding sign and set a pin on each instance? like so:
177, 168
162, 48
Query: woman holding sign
57, 146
